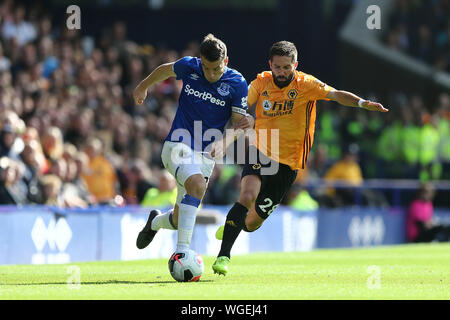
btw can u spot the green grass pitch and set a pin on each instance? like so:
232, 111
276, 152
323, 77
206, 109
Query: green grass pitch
389, 272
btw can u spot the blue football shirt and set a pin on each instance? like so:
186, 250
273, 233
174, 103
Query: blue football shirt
204, 108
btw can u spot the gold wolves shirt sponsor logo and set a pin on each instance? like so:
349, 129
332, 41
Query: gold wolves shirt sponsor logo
278, 108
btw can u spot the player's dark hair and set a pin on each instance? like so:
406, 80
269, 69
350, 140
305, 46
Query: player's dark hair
284, 49
213, 49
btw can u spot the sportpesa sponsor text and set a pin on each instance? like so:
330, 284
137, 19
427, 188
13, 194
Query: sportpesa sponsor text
203, 95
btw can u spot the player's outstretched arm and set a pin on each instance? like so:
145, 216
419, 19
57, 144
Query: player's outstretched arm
349, 99
240, 123
161, 73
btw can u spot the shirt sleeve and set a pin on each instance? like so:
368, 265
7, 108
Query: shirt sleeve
183, 67
317, 89
253, 92
239, 102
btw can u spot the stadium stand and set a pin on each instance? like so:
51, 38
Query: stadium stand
61, 91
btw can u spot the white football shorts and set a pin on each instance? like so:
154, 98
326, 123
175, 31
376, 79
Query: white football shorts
182, 162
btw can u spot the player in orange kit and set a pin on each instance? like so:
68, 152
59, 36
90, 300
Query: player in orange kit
285, 100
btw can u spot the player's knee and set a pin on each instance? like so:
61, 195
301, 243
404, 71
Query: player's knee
247, 197
252, 226
196, 186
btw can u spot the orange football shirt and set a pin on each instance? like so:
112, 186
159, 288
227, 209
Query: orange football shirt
285, 118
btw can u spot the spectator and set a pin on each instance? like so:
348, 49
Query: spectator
43, 164
347, 171
65, 170
5, 63
79, 128
32, 174
134, 176
429, 148
52, 79
28, 157
100, 177
410, 144
300, 199
6, 179
52, 144
18, 28
7, 139
389, 149
142, 177
52, 186
319, 163
421, 29
420, 225
82, 166
142, 147
164, 195
224, 185
12, 189
423, 51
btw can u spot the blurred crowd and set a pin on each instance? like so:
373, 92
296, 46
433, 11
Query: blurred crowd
422, 29
411, 141
72, 136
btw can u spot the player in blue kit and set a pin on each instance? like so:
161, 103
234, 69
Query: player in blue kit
212, 94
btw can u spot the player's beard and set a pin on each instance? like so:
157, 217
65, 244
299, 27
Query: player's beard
284, 82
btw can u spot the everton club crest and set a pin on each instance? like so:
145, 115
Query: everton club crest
224, 89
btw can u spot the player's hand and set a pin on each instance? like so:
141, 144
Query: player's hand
139, 95
218, 149
374, 106
245, 123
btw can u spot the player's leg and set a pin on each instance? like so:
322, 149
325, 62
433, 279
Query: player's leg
169, 219
174, 156
194, 176
272, 191
235, 220
165, 220
253, 221
181, 217
269, 198
157, 220
195, 186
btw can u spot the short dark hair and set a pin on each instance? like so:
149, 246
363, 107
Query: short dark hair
212, 48
284, 49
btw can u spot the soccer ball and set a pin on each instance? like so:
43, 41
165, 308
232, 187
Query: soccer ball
186, 266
